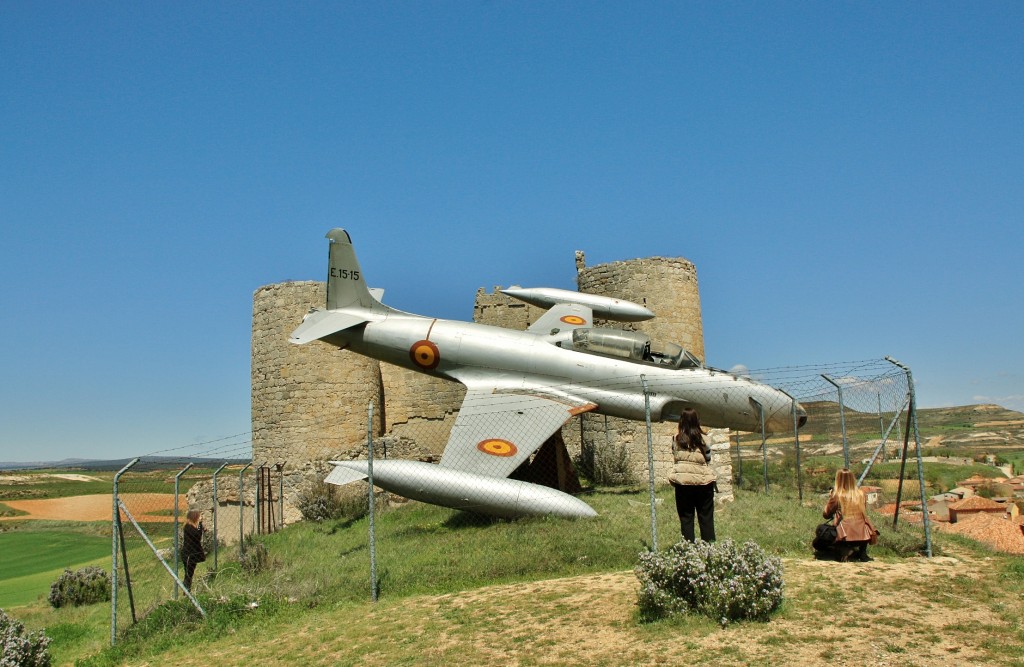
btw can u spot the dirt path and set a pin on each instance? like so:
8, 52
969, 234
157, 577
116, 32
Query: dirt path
609, 603
97, 507
916, 612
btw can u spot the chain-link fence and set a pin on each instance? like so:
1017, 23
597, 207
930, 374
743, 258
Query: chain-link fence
512, 455
152, 497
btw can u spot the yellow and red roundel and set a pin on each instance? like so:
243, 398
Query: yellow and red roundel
425, 354
574, 320
497, 447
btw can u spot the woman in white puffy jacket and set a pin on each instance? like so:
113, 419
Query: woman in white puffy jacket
693, 478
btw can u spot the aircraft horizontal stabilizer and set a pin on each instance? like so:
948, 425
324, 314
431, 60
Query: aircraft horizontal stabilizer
320, 323
341, 475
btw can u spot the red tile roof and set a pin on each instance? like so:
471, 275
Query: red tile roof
976, 503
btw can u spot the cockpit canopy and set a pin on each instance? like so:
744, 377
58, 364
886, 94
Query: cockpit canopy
633, 345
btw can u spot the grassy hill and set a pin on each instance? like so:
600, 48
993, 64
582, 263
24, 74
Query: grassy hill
457, 589
975, 427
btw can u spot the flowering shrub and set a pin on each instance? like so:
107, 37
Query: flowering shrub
19, 648
86, 586
721, 580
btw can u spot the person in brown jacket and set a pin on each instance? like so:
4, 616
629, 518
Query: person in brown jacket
847, 507
693, 478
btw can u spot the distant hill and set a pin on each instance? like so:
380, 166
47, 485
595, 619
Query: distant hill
990, 427
145, 463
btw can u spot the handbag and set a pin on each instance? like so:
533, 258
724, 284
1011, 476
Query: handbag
824, 536
874, 534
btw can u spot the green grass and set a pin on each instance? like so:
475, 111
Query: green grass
316, 570
6, 511
26, 553
33, 560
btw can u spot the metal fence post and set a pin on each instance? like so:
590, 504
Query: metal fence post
177, 560
216, 506
739, 461
280, 494
842, 421
764, 441
650, 465
257, 526
156, 553
920, 463
881, 423
881, 448
373, 531
241, 510
115, 522
796, 439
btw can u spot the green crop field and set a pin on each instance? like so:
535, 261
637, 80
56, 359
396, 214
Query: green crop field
33, 560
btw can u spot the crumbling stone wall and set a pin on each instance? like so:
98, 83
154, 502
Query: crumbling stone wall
420, 407
309, 402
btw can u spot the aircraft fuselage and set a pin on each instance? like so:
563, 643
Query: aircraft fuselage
516, 360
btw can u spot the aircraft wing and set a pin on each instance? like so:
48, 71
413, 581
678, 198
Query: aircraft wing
563, 317
496, 431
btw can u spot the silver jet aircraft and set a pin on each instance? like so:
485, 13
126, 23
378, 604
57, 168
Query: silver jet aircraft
522, 386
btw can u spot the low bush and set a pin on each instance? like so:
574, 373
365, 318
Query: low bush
607, 464
321, 502
85, 586
254, 557
19, 648
721, 580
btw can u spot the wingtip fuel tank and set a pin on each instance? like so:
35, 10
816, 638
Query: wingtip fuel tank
607, 307
468, 491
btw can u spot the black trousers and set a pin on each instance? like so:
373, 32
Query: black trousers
699, 500
190, 569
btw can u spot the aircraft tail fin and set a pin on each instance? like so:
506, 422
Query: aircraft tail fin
346, 286
349, 301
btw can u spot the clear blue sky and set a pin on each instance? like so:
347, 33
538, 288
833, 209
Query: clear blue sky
847, 177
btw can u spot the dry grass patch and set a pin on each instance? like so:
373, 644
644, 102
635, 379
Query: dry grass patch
919, 612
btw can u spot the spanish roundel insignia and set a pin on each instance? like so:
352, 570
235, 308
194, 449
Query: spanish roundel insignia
574, 320
425, 355
497, 447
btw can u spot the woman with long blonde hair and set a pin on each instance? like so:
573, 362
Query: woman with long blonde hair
847, 507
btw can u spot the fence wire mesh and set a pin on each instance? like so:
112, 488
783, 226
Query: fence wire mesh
151, 499
494, 456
